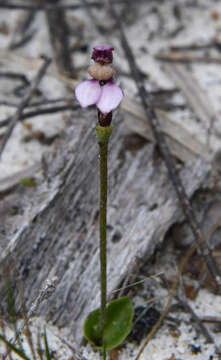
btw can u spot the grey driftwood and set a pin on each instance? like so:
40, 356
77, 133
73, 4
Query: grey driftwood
54, 231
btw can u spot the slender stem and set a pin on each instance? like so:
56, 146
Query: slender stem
103, 135
103, 246
103, 215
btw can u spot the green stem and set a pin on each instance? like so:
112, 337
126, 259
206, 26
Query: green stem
103, 134
103, 215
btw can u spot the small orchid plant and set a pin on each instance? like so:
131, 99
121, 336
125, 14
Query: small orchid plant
108, 326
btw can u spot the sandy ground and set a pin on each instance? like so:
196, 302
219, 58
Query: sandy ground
176, 340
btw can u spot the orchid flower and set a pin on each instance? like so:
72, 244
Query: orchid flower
101, 89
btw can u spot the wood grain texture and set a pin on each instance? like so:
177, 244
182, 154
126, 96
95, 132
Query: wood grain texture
57, 233
182, 144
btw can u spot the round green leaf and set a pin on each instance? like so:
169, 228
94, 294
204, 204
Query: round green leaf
118, 324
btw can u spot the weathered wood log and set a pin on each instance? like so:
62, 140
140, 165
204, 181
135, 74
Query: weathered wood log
57, 229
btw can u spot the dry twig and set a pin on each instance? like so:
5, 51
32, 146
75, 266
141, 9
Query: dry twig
183, 58
22, 33
34, 113
197, 321
76, 354
59, 35
42, 7
24, 103
211, 319
43, 102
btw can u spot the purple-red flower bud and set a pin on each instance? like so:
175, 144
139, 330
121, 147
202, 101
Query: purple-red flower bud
103, 54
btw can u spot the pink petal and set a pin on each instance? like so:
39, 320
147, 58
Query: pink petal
110, 98
88, 92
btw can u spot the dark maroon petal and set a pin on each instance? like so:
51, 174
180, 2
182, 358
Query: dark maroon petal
103, 54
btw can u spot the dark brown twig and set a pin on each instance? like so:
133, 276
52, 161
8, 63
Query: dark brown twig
197, 321
24, 103
182, 301
201, 282
195, 46
211, 319
22, 33
15, 76
35, 113
188, 211
23, 41
76, 354
183, 58
43, 7
45, 102
72, 106
59, 35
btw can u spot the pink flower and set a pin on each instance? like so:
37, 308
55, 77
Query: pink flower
106, 97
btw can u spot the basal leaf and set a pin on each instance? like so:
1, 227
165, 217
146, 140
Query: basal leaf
118, 324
